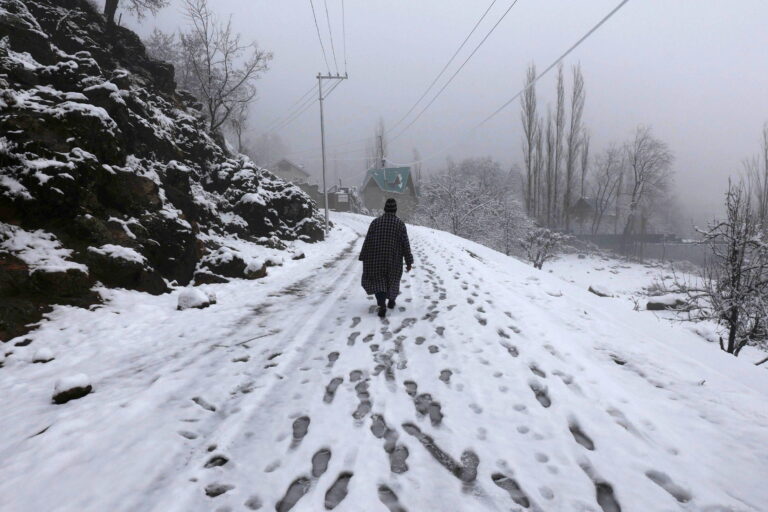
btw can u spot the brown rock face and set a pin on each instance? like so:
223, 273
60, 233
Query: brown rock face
98, 148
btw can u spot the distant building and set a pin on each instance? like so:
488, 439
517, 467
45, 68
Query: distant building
289, 171
396, 182
584, 216
343, 199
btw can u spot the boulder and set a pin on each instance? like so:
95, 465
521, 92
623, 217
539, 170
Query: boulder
203, 277
600, 291
43, 355
122, 267
195, 298
71, 388
665, 302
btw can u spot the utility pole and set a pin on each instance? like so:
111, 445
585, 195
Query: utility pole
320, 78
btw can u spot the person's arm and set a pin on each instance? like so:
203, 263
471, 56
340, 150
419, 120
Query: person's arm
407, 249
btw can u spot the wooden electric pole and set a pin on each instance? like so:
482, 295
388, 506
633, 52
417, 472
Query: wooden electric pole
320, 78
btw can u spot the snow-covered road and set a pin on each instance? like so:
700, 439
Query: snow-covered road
492, 386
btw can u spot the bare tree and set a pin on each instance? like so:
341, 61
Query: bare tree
538, 168
584, 159
163, 46
266, 149
138, 7
734, 289
510, 225
238, 121
465, 199
416, 167
757, 173
541, 245
224, 68
573, 142
549, 177
530, 129
559, 133
649, 162
609, 168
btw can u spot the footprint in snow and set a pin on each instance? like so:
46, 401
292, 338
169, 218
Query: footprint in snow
540, 392
337, 491
665, 482
295, 492
514, 490
300, 428
320, 462
204, 404
330, 389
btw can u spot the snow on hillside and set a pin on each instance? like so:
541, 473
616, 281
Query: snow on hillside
635, 284
492, 386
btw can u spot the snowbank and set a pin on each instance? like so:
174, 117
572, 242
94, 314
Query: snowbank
195, 298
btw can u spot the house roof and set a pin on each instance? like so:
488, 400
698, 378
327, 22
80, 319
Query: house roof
584, 204
389, 179
287, 165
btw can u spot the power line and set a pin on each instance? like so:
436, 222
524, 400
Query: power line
304, 107
456, 72
307, 104
333, 88
528, 86
330, 32
555, 63
280, 119
291, 115
447, 64
413, 107
322, 46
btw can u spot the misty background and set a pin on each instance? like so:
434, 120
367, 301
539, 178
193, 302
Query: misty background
692, 70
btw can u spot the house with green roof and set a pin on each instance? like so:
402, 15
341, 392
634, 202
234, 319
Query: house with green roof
383, 183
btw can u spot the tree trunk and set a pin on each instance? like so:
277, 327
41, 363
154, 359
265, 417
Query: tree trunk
110, 8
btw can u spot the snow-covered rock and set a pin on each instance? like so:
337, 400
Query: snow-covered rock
99, 150
195, 298
43, 355
71, 387
600, 291
662, 302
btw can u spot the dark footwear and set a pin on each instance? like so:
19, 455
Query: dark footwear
391, 304
382, 311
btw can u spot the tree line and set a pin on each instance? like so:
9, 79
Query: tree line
211, 61
624, 185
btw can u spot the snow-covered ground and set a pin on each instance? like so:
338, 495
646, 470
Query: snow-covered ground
635, 284
492, 386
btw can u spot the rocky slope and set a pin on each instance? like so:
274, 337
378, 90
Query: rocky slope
107, 173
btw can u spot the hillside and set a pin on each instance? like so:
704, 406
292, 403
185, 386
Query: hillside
108, 176
492, 386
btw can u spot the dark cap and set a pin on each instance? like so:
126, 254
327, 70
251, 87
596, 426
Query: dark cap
390, 206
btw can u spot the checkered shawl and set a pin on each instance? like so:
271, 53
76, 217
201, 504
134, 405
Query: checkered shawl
385, 247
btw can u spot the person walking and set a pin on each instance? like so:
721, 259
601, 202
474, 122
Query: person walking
386, 246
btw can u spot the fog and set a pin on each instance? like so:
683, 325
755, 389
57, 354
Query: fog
693, 70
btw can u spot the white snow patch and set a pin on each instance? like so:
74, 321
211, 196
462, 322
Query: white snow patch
195, 298
43, 355
120, 252
40, 250
78, 380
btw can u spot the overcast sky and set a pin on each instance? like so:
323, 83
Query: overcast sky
694, 70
